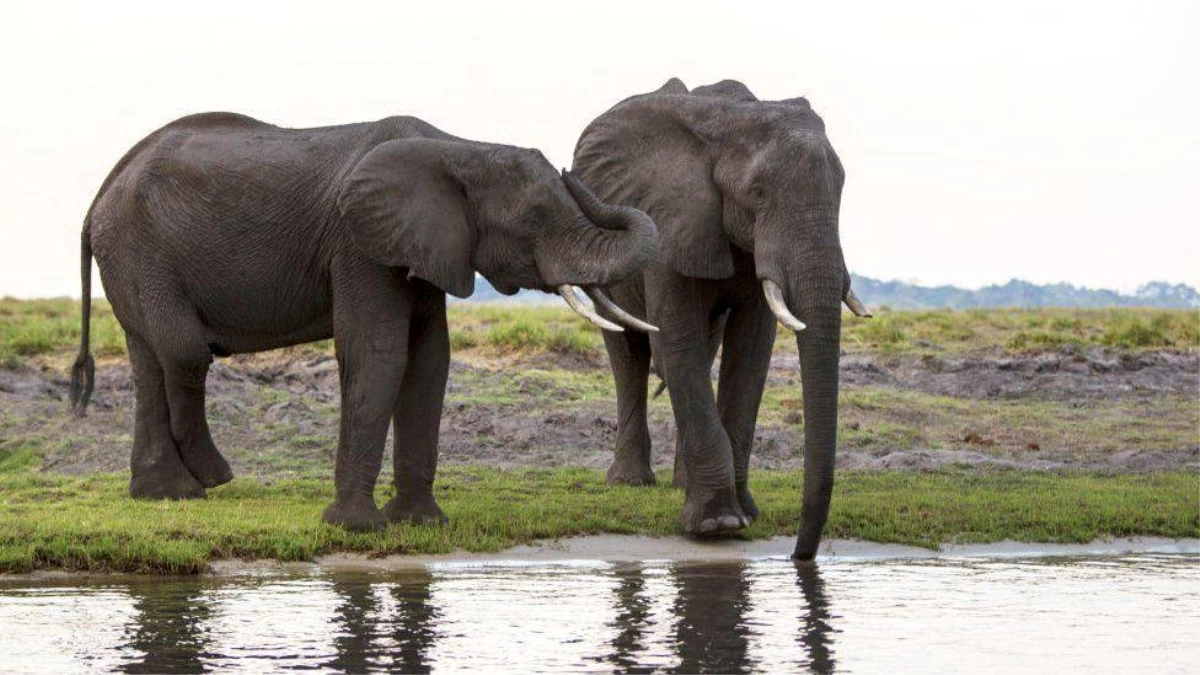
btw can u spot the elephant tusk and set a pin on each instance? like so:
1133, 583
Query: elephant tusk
598, 296
779, 308
856, 305
568, 293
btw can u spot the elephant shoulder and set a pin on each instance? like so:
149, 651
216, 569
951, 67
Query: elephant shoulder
399, 127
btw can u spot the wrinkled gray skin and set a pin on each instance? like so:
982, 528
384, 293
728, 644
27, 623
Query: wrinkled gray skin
742, 191
220, 234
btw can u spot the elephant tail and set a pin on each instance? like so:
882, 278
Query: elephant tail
83, 373
662, 386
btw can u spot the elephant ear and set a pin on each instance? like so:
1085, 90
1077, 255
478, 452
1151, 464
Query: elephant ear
404, 208
643, 154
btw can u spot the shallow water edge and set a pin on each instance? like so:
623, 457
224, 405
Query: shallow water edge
619, 548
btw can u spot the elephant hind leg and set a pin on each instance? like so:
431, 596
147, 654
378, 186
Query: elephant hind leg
185, 357
629, 356
155, 466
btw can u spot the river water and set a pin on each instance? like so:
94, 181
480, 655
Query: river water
1131, 613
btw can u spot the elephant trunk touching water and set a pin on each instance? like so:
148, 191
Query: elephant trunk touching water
799, 251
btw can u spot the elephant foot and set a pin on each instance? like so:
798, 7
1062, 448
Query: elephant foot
746, 501
629, 473
170, 482
712, 514
418, 511
356, 515
207, 464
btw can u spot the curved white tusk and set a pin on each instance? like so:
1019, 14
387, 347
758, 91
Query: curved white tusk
856, 305
778, 307
568, 293
598, 296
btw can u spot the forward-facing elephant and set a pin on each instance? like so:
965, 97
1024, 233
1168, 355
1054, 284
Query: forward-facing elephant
220, 234
745, 194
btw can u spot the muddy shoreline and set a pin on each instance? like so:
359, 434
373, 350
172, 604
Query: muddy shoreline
618, 549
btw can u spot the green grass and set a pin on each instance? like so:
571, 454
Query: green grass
31, 328
1020, 330
35, 327
88, 523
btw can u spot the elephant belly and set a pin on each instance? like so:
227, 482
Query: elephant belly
254, 303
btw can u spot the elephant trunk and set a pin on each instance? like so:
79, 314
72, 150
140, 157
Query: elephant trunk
607, 244
810, 271
819, 347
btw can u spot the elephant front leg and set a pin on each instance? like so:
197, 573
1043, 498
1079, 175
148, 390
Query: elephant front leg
629, 356
749, 337
372, 309
369, 392
418, 414
710, 505
714, 343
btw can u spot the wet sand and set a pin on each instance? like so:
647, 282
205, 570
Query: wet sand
618, 548
637, 548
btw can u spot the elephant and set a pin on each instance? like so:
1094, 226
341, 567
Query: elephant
745, 194
221, 234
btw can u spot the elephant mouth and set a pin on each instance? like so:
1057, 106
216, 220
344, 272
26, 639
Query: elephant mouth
501, 287
778, 304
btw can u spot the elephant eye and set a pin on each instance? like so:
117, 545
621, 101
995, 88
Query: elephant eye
756, 193
534, 219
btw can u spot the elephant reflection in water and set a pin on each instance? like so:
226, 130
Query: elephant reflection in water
361, 625
711, 633
710, 610
168, 630
709, 613
815, 629
632, 620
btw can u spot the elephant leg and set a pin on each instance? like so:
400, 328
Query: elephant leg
710, 503
371, 312
156, 471
180, 341
714, 343
749, 337
418, 412
629, 356
185, 368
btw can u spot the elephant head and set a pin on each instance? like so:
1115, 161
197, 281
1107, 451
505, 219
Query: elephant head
718, 169
446, 209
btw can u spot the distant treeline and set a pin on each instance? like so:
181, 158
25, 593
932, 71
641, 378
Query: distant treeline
1022, 294
1015, 293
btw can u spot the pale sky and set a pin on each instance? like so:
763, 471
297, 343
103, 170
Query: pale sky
982, 141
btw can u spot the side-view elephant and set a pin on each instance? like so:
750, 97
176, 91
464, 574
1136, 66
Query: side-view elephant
220, 234
745, 194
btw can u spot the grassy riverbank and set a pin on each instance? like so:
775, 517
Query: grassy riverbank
88, 523
1043, 426
31, 328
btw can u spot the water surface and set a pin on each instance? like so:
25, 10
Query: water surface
1133, 613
